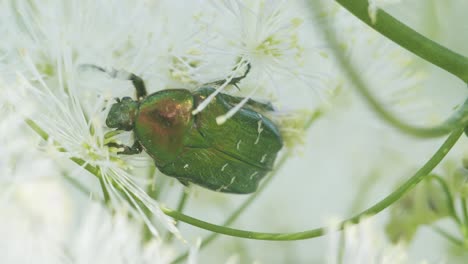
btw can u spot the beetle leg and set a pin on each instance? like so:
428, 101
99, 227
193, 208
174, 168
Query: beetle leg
234, 100
137, 81
127, 150
139, 85
234, 81
184, 182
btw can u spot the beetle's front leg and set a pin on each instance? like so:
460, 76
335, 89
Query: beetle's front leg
234, 81
127, 150
137, 81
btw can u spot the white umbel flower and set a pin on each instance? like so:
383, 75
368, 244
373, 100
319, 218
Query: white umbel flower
34, 223
364, 244
170, 44
103, 237
80, 133
271, 37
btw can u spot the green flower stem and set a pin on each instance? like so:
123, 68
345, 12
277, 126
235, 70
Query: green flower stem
96, 172
465, 217
448, 236
152, 192
378, 207
79, 186
409, 39
390, 199
93, 170
180, 208
450, 200
37, 129
458, 118
105, 193
182, 201
151, 188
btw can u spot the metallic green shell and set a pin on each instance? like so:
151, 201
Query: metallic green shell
232, 157
162, 123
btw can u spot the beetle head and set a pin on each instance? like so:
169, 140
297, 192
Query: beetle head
122, 114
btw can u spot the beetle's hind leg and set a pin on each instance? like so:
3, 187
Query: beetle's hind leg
136, 148
262, 106
184, 182
137, 81
234, 81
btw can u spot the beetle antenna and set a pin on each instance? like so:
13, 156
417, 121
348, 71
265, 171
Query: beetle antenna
236, 80
116, 74
91, 66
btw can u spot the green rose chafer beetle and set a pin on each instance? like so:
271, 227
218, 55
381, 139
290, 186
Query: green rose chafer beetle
230, 158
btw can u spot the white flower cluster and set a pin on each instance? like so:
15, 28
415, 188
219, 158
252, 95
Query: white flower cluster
362, 243
53, 137
47, 92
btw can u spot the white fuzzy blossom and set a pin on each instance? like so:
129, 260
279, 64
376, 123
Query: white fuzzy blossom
363, 243
78, 133
40, 234
171, 45
35, 220
103, 237
53, 107
38, 212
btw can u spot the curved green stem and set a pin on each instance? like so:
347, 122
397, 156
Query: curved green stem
153, 191
409, 39
79, 186
378, 207
180, 208
465, 209
93, 170
182, 201
465, 218
105, 193
450, 200
457, 119
448, 236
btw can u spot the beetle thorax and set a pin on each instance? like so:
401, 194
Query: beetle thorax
122, 114
163, 123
